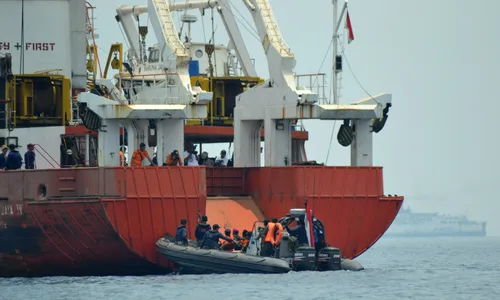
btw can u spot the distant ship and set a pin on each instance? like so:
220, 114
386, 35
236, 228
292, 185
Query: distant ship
413, 224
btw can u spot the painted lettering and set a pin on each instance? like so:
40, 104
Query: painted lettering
40, 46
32, 46
4, 46
3, 225
11, 210
6, 210
19, 209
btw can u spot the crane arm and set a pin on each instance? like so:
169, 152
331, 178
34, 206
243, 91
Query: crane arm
280, 58
234, 33
125, 17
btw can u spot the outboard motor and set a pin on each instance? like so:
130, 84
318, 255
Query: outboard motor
329, 259
304, 259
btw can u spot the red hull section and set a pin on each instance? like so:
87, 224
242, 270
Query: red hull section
105, 221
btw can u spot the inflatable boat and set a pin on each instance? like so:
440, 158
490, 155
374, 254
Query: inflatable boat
193, 260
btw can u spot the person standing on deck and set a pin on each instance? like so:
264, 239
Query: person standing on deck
3, 157
191, 158
174, 159
14, 160
29, 158
139, 155
123, 159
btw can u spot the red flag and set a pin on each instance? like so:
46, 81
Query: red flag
348, 26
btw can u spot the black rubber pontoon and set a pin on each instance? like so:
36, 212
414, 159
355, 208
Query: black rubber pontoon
217, 261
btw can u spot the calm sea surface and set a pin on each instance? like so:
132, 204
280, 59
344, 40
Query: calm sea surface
442, 268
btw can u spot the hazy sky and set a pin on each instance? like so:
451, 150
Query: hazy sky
439, 59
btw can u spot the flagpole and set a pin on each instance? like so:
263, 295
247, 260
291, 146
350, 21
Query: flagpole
335, 39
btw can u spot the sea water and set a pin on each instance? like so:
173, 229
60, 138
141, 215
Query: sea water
415, 268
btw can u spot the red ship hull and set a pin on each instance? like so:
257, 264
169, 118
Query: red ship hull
105, 221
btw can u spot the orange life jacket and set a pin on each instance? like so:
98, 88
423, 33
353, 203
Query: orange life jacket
278, 233
228, 246
270, 233
121, 158
138, 157
171, 162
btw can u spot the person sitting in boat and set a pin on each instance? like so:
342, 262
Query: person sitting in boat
139, 155
245, 240
298, 232
236, 235
211, 238
202, 228
237, 238
14, 160
173, 159
228, 245
181, 233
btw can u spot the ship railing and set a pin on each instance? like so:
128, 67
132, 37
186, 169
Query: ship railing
46, 156
315, 82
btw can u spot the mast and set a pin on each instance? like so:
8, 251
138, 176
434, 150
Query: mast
334, 61
337, 59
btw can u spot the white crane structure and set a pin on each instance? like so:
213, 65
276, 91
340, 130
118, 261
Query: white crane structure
127, 14
277, 101
160, 109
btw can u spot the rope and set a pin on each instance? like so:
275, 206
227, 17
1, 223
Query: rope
354, 75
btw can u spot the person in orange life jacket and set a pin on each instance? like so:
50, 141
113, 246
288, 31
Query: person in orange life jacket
181, 233
268, 234
3, 157
245, 240
139, 155
173, 159
278, 235
299, 232
201, 229
29, 158
14, 160
211, 238
228, 245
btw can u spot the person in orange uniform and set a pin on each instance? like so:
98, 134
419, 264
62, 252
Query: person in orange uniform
278, 234
173, 159
139, 155
268, 233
